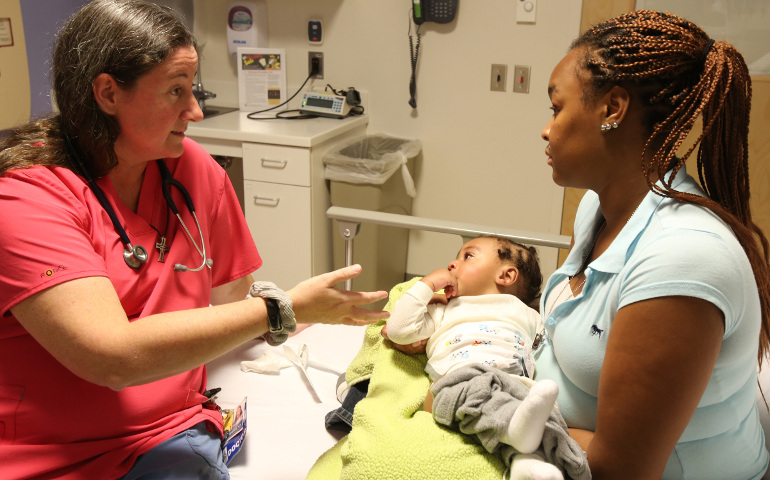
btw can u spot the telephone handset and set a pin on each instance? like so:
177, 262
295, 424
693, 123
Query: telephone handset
438, 11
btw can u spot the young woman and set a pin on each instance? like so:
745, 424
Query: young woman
655, 322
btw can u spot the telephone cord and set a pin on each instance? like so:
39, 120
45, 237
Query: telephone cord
414, 53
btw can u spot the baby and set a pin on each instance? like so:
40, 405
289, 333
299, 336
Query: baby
478, 335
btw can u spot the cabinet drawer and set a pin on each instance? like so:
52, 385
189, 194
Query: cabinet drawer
277, 164
279, 220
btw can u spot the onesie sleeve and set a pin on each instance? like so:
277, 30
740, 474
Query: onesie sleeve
411, 320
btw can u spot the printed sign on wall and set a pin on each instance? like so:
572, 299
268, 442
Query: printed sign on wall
6, 33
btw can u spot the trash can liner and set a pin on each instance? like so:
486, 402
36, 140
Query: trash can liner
372, 160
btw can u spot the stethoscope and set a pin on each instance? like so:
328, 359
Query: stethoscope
136, 255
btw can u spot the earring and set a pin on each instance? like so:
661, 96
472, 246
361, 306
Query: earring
609, 126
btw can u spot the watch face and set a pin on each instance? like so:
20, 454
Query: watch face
274, 323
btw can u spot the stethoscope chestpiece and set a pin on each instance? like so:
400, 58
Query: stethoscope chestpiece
135, 256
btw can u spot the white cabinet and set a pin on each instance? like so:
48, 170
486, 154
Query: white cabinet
277, 203
285, 194
279, 220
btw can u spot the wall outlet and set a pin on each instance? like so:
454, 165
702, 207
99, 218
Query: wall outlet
317, 57
497, 78
521, 79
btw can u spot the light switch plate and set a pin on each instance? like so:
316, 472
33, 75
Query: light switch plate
521, 78
526, 11
497, 78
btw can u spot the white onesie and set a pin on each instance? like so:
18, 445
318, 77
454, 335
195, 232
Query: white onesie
495, 330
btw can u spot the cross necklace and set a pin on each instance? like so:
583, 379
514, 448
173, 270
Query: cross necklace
161, 245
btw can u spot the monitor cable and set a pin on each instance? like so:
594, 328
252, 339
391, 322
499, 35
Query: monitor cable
278, 115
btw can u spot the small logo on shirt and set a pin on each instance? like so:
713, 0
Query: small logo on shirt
52, 270
596, 331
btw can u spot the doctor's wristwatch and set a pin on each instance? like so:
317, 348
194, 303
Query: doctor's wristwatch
280, 313
274, 322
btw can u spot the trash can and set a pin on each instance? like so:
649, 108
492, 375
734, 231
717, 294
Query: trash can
363, 174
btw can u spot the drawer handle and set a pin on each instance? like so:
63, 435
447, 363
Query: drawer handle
268, 163
270, 202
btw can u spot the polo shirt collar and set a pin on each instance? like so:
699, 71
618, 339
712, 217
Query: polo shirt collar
613, 259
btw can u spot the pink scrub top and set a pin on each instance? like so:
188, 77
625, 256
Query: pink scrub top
53, 424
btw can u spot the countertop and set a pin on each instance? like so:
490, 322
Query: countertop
298, 133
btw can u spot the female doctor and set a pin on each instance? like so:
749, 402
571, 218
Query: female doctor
102, 341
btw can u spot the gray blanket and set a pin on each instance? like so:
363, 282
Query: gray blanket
480, 401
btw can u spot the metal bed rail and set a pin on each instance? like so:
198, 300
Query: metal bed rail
350, 219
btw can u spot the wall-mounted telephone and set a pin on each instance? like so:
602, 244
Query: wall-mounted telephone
438, 11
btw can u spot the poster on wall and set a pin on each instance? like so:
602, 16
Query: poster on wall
261, 78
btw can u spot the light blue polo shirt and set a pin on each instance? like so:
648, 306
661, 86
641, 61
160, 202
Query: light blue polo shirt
666, 249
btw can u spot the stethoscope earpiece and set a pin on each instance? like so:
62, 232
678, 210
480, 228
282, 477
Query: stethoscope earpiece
178, 267
135, 256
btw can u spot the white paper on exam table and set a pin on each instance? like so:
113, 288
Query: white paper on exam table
272, 361
286, 433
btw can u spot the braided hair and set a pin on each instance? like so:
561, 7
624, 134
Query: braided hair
526, 261
679, 73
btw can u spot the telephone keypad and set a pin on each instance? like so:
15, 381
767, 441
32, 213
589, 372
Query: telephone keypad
441, 11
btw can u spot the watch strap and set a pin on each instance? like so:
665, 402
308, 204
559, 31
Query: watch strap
280, 313
274, 323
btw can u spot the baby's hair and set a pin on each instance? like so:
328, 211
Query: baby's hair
526, 261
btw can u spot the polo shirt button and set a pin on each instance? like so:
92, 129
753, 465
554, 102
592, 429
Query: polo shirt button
551, 321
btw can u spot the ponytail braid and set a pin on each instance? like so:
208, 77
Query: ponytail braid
679, 73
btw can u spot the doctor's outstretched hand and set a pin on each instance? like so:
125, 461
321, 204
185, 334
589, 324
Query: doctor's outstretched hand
316, 300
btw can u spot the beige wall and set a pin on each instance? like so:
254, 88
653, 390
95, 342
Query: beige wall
595, 11
483, 159
14, 73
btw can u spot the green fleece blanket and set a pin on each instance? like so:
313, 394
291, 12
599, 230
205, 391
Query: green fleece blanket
392, 438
